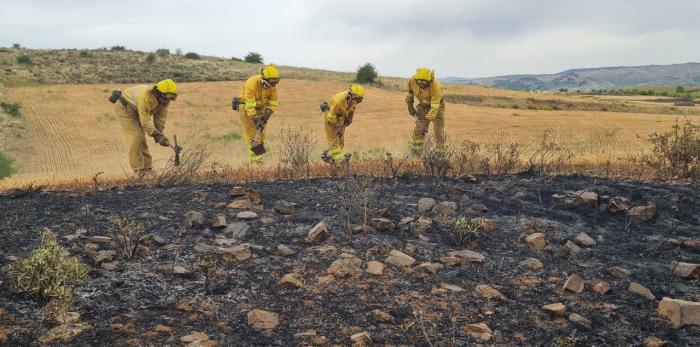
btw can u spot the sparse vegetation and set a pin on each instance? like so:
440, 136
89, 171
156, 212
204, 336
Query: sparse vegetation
24, 59
6, 165
192, 55
296, 146
150, 58
163, 52
128, 233
253, 58
12, 108
366, 74
118, 48
462, 231
676, 153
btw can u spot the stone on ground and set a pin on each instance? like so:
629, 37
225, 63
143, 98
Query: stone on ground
194, 219
488, 292
219, 222
480, 331
619, 272
398, 258
318, 233
361, 339
290, 281
284, 208
641, 214
585, 241
579, 319
679, 313
641, 290
574, 284
346, 265
63, 333
383, 224
687, 270
532, 264
381, 317
428, 268
284, 250
375, 268
601, 288
445, 208
425, 204
557, 309
246, 215
236, 253
536, 241
263, 321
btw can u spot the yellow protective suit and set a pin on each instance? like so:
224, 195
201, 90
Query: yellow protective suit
341, 110
140, 114
431, 108
254, 99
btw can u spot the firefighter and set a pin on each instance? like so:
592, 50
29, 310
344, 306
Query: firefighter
258, 99
142, 110
339, 115
431, 108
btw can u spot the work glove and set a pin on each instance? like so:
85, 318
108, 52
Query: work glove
161, 140
411, 109
331, 118
431, 115
348, 121
268, 113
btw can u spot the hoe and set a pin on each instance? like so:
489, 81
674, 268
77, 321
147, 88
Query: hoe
177, 150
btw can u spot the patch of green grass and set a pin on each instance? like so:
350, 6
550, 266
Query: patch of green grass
12, 108
228, 137
6, 165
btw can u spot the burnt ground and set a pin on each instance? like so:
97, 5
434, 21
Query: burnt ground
124, 306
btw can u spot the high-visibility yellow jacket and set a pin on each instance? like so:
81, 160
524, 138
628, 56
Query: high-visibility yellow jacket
142, 100
255, 97
431, 95
340, 106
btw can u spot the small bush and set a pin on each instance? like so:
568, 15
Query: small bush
49, 271
253, 58
118, 48
24, 59
436, 160
150, 58
6, 166
366, 74
295, 151
163, 52
676, 153
128, 234
462, 231
84, 53
192, 55
236, 59
12, 108
16, 46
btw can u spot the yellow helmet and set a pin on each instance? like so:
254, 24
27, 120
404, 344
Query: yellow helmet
358, 90
270, 71
167, 88
423, 73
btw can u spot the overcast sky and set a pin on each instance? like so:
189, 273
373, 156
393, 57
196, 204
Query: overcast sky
467, 38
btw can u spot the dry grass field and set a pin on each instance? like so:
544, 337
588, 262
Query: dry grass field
73, 133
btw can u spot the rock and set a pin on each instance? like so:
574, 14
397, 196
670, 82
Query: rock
641, 290
225, 242
383, 224
375, 268
428, 268
346, 265
579, 319
63, 333
203, 248
110, 266
179, 270
104, 256
194, 337
466, 256
641, 214
687, 270
410, 249
618, 204
154, 239
480, 208
290, 281
263, 321
586, 198
601, 288
164, 329
66, 317
361, 339
381, 317
470, 179
241, 204
284, 208
532, 264
451, 287
480, 331
572, 248
98, 239
236, 253
488, 292
679, 312
557, 309
253, 195
536, 241
246, 215
574, 284
421, 225
237, 230
585, 241
425, 204
398, 258
219, 222
318, 233
285, 251
489, 225
619, 272
654, 342
445, 208
194, 219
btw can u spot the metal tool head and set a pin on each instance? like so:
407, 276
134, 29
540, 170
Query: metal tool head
177, 150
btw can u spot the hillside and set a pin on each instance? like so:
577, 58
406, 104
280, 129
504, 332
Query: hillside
595, 78
59, 66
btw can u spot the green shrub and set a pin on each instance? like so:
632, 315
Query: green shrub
192, 55
118, 48
253, 58
16, 46
6, 165
366, 74
236, 59
676, 153
24, 59
84, 53
12, 108
150, 58
163, 52
49, 271
463, 231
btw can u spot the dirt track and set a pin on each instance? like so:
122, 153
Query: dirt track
139, 293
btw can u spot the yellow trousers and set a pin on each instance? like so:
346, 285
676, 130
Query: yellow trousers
422, 123
336, 149
139, 156
249, 130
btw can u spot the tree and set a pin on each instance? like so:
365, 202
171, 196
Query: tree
16, 46
118, 48
192, 55
150, 58
253, 58
680, 89
366, 74
163, 52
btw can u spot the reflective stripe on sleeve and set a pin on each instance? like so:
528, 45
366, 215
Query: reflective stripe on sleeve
250, 104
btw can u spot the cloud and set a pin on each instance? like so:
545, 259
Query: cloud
458, 38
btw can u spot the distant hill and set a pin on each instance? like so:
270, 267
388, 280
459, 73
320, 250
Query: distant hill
594, 78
